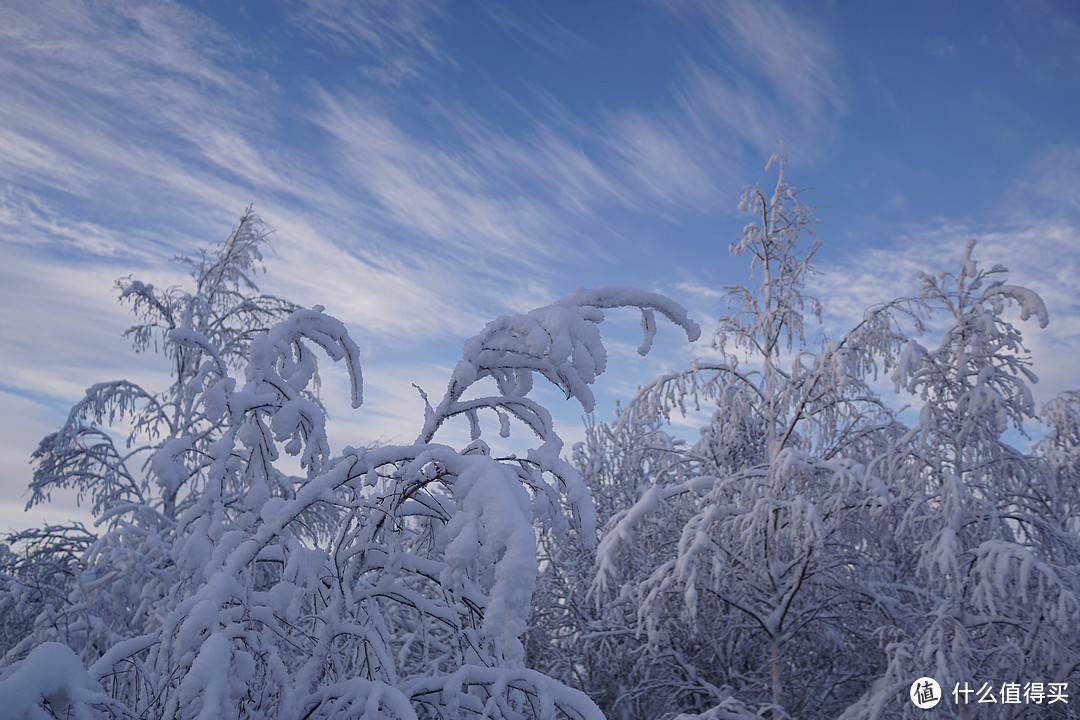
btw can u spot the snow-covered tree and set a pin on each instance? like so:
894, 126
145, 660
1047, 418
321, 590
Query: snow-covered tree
736, 562
118, 449
807, 555
810, 555
393, 581
995, 592
36, 582
1058, 496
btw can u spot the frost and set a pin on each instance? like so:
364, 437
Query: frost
809, 539
806, 554
52, 676
391, 581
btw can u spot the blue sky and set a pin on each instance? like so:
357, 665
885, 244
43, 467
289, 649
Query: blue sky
431, 165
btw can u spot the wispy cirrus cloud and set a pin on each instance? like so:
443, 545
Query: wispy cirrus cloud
449, 197
30, 220
115, 104
792, 52
685, 152
163, 134
1043, 255
1051, 185
395, 35
536, 30
166, 114
723, 107
360, 278
663, 162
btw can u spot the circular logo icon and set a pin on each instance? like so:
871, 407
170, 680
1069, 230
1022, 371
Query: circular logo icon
925, 693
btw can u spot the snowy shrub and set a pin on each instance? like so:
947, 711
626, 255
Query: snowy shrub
385, 582
997, 576
810, 556
741, 560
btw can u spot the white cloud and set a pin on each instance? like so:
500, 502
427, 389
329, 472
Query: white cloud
168, 139
30, 220
793, 51
1051, 185
550, 167
1044, 256
685, 154
128, 104
61, 326
663, 162
717, 105
432, 192
537, 28
396, 35
761, 39
381, 294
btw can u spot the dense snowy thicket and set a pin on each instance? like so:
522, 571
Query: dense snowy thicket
387, 582
808, 556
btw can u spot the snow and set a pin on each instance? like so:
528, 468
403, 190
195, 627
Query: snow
806, 537
54, 675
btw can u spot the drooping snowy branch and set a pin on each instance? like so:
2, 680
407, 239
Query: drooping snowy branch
393, 581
